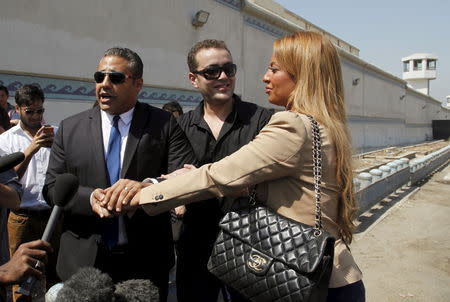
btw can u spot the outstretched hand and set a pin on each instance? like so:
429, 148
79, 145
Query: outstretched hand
124, 195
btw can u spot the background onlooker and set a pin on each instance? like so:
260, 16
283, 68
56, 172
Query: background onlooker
27, 222
173, 107
13, 116
4, 120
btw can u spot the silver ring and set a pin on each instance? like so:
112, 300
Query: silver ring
38, 264
125, 189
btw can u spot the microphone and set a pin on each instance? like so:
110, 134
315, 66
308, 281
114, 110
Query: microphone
87, 284
90, 284
136, 290
10, 161
66, 185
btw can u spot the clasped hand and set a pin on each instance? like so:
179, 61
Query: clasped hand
123, 197
120, 198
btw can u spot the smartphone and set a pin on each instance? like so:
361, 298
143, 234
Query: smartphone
48, 129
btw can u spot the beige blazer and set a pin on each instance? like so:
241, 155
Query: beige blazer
279, 160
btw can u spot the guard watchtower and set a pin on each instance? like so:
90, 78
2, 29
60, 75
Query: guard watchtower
418, 70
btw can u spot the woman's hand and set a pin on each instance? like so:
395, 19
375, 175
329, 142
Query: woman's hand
120, 195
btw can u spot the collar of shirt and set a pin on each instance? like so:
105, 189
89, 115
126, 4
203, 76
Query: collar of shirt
124, 128
125, 118
18, 130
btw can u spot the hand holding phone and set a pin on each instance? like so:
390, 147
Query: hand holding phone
49, 133
48, 129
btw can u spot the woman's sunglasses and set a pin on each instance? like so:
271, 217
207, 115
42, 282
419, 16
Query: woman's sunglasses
115, 77
214, 72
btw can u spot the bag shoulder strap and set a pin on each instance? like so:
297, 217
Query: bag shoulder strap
317, 171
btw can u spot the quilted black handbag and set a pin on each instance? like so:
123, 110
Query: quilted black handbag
268, 257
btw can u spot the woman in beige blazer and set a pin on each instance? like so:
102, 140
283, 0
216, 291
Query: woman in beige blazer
304, 76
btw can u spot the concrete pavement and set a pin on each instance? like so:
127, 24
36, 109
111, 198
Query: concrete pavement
404, 249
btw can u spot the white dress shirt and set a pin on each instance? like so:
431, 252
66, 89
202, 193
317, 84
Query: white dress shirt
124, 128
17, 140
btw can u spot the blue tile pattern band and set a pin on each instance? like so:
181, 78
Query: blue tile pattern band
67, 89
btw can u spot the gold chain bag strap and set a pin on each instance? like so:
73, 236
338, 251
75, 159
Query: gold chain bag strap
268, 257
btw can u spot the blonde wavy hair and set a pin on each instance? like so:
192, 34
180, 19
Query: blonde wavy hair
313, 62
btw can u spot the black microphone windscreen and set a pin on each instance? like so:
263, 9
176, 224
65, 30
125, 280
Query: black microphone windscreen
136, 290
66, 185
10, 161
87, 284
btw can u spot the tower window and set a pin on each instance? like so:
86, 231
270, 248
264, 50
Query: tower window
431, 64
406, 66
417, 64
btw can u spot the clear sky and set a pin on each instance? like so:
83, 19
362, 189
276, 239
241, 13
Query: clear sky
387, 30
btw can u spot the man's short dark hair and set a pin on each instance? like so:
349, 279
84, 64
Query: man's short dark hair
4, 89
135, 64
205, 44
173, 107
28, 94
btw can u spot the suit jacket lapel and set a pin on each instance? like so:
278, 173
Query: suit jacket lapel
96, 141
136, 130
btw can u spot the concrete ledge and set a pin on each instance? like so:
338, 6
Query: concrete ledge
371, 187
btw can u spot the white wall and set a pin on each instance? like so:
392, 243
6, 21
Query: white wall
383, 111
58, 43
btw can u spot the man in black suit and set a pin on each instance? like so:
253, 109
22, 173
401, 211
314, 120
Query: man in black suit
150, 142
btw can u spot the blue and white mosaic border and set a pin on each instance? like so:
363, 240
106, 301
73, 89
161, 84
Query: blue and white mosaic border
264, 26
253, 21
236, 4
163, 95
56, 88
53, 88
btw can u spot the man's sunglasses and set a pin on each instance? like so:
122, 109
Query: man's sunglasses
31, 112
115, 77
214, 72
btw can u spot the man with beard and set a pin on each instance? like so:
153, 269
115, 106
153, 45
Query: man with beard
29, 136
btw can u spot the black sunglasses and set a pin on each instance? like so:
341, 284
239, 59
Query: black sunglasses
31, 112
214, 72
115, 77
